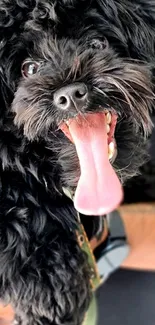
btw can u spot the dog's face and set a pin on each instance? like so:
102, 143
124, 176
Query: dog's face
72, 58
63, 61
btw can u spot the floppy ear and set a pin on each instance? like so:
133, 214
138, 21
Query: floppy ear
14, 14
3, 86
5, 94
133, 21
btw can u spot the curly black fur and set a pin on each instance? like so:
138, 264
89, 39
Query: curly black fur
109, 46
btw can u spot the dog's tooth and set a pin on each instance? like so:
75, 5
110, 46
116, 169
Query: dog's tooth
108, 117
111, 150
108, 128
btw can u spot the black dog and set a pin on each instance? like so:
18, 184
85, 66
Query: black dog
102, 53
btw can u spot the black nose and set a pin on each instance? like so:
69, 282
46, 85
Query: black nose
71, 96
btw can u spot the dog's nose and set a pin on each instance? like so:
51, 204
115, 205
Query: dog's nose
71, 96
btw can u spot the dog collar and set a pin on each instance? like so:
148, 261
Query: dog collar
85, 245
106, 251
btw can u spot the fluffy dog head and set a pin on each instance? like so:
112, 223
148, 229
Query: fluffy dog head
103, 47
50, 44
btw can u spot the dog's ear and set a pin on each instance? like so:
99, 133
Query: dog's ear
13, 15
132, 23
5, 89
4, 94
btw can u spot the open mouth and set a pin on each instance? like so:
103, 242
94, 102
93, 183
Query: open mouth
98, 190
111, 121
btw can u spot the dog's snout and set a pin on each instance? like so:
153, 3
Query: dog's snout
71, 96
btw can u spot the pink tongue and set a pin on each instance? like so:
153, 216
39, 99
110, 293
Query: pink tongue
99, 190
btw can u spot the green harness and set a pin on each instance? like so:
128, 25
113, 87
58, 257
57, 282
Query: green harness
115, 249
95, 278
91, 316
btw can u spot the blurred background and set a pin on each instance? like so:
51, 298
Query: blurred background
128, 297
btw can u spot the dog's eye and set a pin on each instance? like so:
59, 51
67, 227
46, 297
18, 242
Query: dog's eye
29, 68
99, 44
